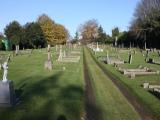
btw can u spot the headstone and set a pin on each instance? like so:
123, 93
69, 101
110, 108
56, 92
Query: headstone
48, 65
122, 45
64, 53
60, 54
17, 49
134, 51
130, 59
0, 66
49, 48
145, 85
107, 58
147, 54
132, 75
151, 60
7, 94
116, 41
48, 62
97, 46
130, 45
159, 53
56, 48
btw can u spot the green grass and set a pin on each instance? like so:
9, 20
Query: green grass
151, 102
109, 100
45, 95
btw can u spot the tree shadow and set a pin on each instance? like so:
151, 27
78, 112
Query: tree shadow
31, 95
45, 99
155, 93
71, 98
61, 117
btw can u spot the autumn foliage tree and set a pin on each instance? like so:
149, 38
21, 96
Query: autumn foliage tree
60, 34
89, 31
54, 33
47, 26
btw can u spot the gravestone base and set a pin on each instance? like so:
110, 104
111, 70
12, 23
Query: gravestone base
7, 94
48, 65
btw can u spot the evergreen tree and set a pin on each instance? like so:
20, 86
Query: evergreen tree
13, 32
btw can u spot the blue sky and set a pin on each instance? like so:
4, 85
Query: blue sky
70, 13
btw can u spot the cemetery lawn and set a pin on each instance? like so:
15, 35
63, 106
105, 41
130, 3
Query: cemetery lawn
45, 95
110, 103
149, 101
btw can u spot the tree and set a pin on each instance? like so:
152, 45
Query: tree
33, 35
102, 36
2, 47
89, 31
146, 22
76, 38
115, 34
13, 32
47, 26
60, 34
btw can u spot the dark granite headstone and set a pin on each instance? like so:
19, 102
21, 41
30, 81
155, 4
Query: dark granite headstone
130, 59
151, 60
7, 94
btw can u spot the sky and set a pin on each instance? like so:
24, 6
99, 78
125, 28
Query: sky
70, 13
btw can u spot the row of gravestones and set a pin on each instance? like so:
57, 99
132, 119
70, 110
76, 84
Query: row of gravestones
95, 49
48, 63
71, 56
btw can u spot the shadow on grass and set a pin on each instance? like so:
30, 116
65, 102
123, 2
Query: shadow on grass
45, 99
61, 117
157, 94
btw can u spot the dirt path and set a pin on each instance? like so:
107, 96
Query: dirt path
141, 110
92, 113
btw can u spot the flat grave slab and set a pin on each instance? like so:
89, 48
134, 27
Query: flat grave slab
138, 71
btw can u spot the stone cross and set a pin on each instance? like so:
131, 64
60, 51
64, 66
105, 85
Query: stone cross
49, 55
60, 54
49, 52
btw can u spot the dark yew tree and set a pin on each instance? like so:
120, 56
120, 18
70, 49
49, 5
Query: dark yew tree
33, 35
102, 36
146, 23
13, 32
